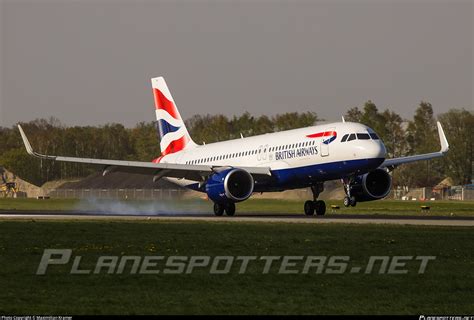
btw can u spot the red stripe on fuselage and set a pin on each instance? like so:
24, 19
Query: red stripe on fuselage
161, 102
322, 134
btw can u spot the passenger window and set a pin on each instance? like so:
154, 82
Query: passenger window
374, 136
352, 137
344, 138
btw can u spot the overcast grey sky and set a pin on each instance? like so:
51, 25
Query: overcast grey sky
90, 62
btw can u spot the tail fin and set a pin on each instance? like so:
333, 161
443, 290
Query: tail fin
173, 133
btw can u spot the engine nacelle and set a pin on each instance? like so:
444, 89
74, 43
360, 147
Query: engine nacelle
374, 185
231, 185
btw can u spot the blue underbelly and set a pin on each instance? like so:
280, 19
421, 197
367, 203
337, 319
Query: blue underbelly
302, 177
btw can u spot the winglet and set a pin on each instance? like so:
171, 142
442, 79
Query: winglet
442, 139
28, 147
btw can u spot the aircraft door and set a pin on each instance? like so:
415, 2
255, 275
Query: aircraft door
327, 138
266, 151
263, 152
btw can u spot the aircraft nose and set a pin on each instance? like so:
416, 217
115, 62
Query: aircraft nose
374, 153
377, 150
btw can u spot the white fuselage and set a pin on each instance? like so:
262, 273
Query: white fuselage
305, 154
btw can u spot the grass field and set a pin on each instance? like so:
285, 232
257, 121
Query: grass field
260, 206
445, 288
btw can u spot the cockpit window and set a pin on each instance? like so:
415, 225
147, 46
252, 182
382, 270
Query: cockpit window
363, 136
352, 137
374, 136
344, 138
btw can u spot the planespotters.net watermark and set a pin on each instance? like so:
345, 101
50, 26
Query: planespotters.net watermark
231, 264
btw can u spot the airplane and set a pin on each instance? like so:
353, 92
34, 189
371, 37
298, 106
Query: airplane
231, 171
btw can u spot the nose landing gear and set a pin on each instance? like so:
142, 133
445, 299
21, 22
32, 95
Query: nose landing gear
315, 205
349, 200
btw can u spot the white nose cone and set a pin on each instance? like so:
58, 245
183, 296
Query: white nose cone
370, 149
377, 150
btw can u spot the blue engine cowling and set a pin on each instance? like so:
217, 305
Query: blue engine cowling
230, 185
371, 186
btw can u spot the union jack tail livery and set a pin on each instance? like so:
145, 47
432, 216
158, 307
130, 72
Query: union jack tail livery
173, 134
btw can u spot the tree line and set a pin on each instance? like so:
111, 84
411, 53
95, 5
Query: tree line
141, 143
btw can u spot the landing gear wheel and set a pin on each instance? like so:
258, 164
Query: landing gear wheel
347, 202
218, 209
309, 208
353, 201
230, 209
320, 207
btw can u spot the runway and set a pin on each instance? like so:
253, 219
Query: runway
245, 217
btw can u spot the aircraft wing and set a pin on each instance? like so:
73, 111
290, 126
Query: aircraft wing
157, 170
392, 163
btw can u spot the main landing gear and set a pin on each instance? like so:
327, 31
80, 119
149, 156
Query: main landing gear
229, 209
349, 200
316, 205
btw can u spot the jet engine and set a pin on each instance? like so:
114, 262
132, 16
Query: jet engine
374, 185
230, 185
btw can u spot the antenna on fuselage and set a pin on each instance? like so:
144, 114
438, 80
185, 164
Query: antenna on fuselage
343, 120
